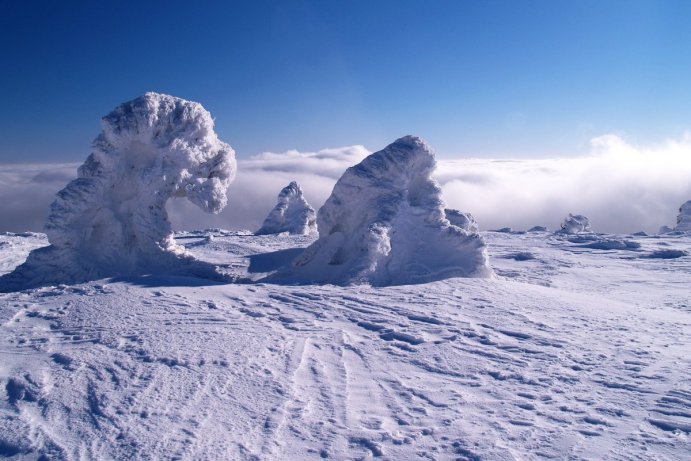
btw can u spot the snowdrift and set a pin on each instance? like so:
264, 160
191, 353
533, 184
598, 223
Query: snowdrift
575, 224
291, 214
112, 220
684, 218
385, 224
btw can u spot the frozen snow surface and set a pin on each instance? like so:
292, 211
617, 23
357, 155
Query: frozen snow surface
569, 352
575, 224
684, 218
465, 221
384, 224
112, 220
291, 214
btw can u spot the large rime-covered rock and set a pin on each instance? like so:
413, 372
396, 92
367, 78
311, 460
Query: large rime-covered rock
291, 214
112, 220
684, 218
465, 221
384, 224
575, 224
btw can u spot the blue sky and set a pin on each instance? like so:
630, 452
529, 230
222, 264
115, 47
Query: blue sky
476, 78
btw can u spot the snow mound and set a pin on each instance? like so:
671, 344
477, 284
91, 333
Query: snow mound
575, 224
465, 221
291, 214
666, 254
538, 229
684, 218
612, 244
112, 220
384, 224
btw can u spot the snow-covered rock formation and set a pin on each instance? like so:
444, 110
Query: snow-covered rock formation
384, 224
465, 221
684, 218
291, 214
112, 220
575, 224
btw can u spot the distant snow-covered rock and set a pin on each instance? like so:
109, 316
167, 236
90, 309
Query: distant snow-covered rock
463, 220
684, 218
665, 230
612, 244
384, 224
291, 214
112, 220
538, 229
575, 224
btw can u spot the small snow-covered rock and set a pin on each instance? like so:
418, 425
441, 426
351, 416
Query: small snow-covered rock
384, 224
465, 221
112, 220
291, 214
575, 224
612, 244
684, 218
538, 229
665, 230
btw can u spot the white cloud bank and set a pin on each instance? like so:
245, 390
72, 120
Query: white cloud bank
26, 192
620, 187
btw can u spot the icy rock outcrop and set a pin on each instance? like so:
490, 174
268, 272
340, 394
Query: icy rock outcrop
465, 221
112, 220
384, 224
575, 224
291, 214
684, 218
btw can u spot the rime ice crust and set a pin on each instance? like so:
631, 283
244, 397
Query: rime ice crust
574, 224
384, 224
463, 220
684, 218
291, 214
112, 220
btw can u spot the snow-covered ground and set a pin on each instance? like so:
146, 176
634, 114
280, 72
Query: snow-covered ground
579, 348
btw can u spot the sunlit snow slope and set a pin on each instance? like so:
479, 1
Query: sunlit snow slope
578, 349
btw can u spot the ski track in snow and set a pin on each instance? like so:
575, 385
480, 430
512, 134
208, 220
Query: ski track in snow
570, 353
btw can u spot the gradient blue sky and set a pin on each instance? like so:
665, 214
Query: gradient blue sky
478, 78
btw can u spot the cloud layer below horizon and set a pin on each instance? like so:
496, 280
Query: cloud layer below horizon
622, 188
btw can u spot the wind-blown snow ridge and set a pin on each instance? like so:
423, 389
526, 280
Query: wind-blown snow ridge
112, 220
291, 214
384, 224
684, 218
